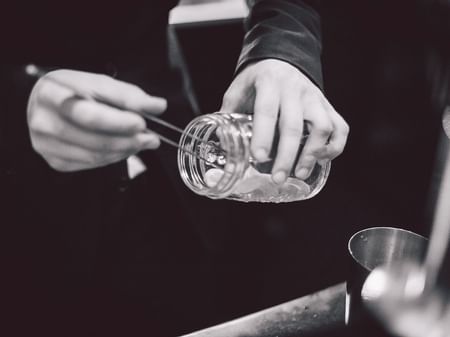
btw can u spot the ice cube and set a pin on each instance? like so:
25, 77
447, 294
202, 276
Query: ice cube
212, 176
296, 188
252, 180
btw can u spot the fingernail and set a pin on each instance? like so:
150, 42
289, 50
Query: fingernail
261, 155
302, 173
151, 145
279, 177
155, 105
162, 103
150, 142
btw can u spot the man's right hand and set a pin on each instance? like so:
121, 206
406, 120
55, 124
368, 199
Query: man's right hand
72, 133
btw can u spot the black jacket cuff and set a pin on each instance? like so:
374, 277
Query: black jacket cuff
284, 30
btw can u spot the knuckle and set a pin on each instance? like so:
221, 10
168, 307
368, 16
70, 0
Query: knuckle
320, 151
267, 109
85, 114
59, 73
39, 123
43, 91
106, 85
345, 129
105, 78
134, 92
137, 124
324, 129
41, 145
37, 146
69, 107
41, 84
313, 103
334, 151
138, 90
35, 123
104, 81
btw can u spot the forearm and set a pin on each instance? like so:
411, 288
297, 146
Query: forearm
288, 30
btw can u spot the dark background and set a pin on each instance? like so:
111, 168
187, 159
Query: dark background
376, 71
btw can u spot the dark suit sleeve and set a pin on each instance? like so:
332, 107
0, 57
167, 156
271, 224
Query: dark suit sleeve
15, 87
288, 30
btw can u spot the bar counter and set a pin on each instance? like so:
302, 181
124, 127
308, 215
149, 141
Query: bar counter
318, 314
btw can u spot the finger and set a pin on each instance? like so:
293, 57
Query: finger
129, 97
338, 138
68, 157
63, 131
97, 117
60, 101
316, 143
266, 107
121, 94
291, 130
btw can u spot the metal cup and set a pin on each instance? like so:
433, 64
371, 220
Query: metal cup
369, 249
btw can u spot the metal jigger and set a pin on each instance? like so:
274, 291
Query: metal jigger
412, 299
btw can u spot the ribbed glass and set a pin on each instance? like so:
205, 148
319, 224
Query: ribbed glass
214, 160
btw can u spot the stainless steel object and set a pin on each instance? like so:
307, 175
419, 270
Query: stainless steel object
397, 295
412, 299
446, 121
369, 249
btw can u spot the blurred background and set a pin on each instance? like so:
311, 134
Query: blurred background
381, 64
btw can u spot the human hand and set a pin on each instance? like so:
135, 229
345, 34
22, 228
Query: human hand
278, 93
74, 133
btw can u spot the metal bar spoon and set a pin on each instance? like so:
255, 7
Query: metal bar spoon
412, 299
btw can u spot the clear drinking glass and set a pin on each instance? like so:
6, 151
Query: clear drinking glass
214, 160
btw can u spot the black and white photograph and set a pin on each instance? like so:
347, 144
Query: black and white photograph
225, 168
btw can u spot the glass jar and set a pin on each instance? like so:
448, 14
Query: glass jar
214, 160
